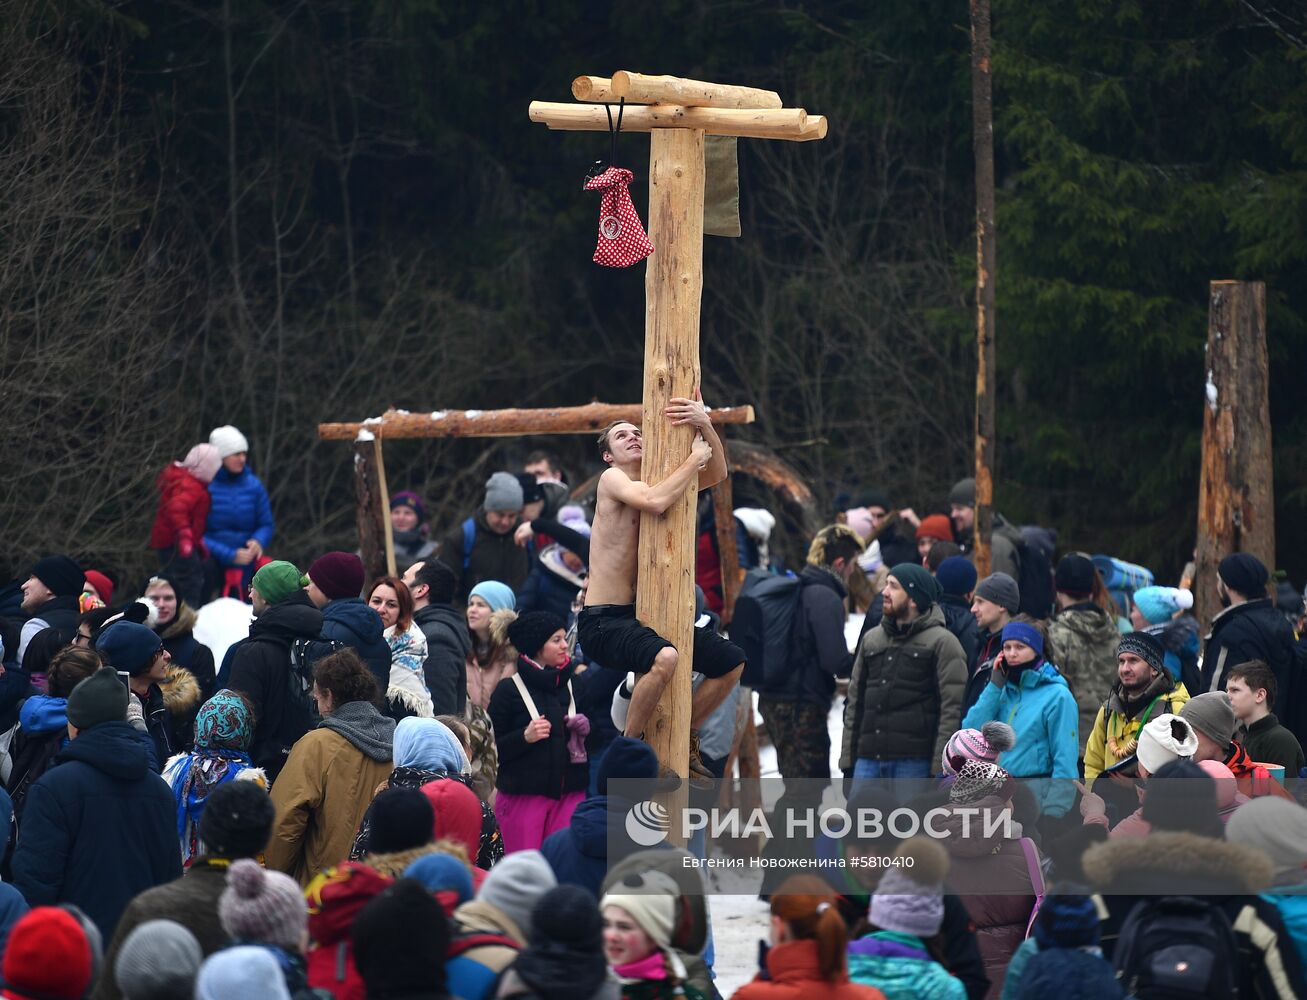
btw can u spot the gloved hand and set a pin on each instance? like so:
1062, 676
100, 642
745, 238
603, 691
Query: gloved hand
185, 543
136, 712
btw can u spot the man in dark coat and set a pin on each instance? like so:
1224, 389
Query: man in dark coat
261, 664
957, 580
236, 824
482, 547
432, 585
1251, 628
99, 827
335, 581
50, 597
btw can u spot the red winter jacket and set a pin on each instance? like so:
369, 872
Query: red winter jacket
183, 503
335, 898
795, 975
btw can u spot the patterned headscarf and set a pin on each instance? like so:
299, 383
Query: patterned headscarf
224, 723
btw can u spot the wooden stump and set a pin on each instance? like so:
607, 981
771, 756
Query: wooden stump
1236, 511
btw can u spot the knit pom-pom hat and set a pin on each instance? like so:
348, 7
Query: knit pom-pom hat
985, 744
263, 907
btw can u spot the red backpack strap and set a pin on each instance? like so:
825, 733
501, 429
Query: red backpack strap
468, 940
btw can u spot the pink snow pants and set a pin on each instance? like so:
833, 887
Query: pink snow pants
526, 820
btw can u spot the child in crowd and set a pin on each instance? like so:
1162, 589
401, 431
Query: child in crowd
639, 918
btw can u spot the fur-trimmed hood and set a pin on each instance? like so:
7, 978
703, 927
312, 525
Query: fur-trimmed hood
181, 691
183, 623
392, 865
1170, 863
499, 622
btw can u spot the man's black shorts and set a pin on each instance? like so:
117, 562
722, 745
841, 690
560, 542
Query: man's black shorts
610, 635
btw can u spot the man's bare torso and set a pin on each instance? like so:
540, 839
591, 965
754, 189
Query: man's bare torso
614, 542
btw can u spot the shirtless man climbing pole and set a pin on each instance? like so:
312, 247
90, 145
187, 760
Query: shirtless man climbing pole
607, 628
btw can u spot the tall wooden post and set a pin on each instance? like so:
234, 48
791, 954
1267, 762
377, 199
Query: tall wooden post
982, 125
673, 286
728, 554
373, 517
1236, 511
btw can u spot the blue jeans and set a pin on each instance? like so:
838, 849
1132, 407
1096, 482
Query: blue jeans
865, 770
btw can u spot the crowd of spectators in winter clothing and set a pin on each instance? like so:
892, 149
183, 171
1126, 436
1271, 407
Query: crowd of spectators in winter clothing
402, 786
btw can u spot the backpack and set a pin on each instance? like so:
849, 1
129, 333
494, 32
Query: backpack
1035, 572
765, 612
461, 941
1175, 947
304, 653
469, 539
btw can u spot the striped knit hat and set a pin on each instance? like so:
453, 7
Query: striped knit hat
983, 744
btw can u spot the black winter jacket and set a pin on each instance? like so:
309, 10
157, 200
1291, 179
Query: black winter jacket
493, 557
819, 652
959, 620
352, 622
99, 828
448, 643
1257, 631
260, 669
543, 767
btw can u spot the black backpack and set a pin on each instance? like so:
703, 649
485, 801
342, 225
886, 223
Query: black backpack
763, 626
1035, 572
304, 653
1176, 947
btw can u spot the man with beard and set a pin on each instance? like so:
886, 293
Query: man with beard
905, 695
1144, 690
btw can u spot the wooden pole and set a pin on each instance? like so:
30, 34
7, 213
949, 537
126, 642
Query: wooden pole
383, 493
727, 553
982, 125
674, 90
591, 418
373, 514
673, 286
1236, 511
794, 124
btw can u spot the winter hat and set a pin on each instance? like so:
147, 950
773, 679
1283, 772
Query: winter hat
1146, 647
1277, 828
1164, 739
102, 697
102, 584
245, 971
457, 813
936, 526
1228, 796
228, 440
47, 956
337, 575
514, 885
956, 576
567, 915
498, 595
1074, 575
225, 722
573, 517
531, 489
1211, 715
1159, 604
917, 581
983, 744
277, 580
237, 820
627, 758
400, 938
1026, 634
263, 907
442, 873
1180, 797
62, 576
128, 646
979, 779
859, 519
1241, 571
1067, 919
402, 819
428, 745
963, 492
1000, 589
910, 900
202, 462
650, 898
503, 493
158, 961
409, 499
530, 631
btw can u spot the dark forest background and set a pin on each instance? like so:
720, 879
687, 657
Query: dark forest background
278, 212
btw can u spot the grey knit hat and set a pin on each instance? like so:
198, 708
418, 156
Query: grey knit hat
503, 492
158, 961
1000, 589
514, 885
910, 900
963, 492
263, 907
1276, 827
1212, 715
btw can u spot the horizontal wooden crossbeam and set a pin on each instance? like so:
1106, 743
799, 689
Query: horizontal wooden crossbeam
507, 423
793, 124
638, 89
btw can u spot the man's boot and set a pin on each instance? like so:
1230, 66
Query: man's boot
700, 776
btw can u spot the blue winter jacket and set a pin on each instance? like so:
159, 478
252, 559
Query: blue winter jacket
900, 967
1042, 710
240, 511
1292, 904
352, 622
99, 828
578, 853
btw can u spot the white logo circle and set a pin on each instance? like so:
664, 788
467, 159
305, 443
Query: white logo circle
610, 228
647, 823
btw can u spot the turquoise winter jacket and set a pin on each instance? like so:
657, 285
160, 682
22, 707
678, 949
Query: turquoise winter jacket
1043, 711
900, 967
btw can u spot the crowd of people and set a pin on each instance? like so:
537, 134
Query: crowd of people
401, 787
